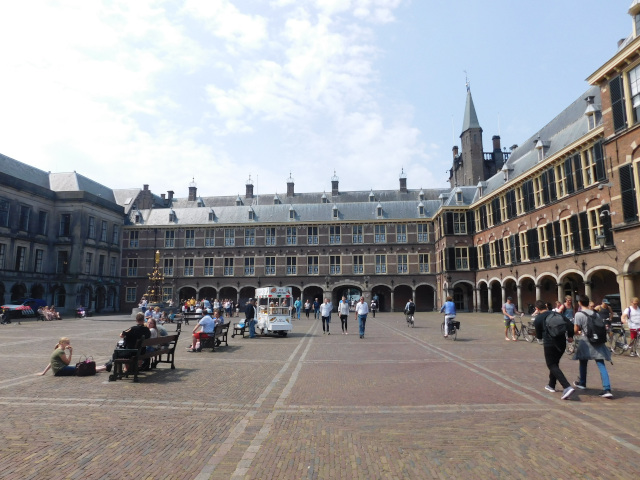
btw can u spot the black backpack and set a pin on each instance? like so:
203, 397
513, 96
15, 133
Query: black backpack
556, 325
596, 330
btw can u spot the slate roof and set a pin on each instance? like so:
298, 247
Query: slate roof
23, 171
470, 117
565, 129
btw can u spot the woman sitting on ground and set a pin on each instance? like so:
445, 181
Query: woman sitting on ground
61, 358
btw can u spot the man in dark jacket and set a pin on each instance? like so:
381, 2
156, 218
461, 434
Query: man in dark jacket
133, 334
554, 347
250, 318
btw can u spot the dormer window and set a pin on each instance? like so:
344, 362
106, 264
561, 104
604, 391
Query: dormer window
200, 202
459, 196
421, 195
238, 201
292, 213
372, 197
252, 214
276, 200
172, 216
137, 218
335, 212
421, 209
212, 215
443, 198
379, 211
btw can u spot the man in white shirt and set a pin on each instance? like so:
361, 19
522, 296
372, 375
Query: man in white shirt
325, 313
362, 309
631, 315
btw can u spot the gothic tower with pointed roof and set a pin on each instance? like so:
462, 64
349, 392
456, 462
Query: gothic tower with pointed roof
468, 166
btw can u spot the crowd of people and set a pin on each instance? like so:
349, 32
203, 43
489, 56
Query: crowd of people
49, 313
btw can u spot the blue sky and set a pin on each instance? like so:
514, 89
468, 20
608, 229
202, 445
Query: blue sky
157, 92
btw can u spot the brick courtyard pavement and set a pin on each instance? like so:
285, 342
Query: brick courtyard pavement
400, 404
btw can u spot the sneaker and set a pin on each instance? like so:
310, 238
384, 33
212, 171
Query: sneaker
577, 385
328, 333
625, 347
605, 394
550, 389
361, 336
346, 333
566, 393
633, 354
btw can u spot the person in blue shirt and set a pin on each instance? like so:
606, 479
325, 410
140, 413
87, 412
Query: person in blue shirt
509, 310
449, 310
298, 305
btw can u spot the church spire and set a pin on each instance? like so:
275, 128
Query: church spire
470, 116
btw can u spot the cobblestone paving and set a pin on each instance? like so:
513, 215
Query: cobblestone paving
400, 404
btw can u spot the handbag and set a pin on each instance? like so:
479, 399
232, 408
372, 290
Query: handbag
86, 367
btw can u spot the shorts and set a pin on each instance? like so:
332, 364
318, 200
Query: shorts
633, 333
508, 321
201, 335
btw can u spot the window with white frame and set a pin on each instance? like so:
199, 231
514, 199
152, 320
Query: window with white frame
634, 87
132, 267
312, 235
270, 236
134, 241
358, 264
334, 265
506, 245
229, 237
356, 235
228, 267
208, 266
113, 267
519, 200
103, 231
334, 234
423, 262
423, 233
524, 246
401, 233
489, 208
292, 236
131, 295
312, 265
167, 294
92, 228
481, 264
88, 261
542, 241
595, 226
403, 264
249, 237
567, 234
249, 266
460, 223
189, 238
169, 239
209, 237
381, 264
292, 265
115, 236
380, 234
62, 263
168, 267
503, 207
65, 225
188, 267
269, 265
561, 181
537, 191
39, 260
462, 258
492, 254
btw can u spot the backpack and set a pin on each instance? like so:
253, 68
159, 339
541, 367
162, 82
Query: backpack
596, 331
411, 308
556, 325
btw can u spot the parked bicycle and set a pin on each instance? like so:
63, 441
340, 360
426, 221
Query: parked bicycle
618, 340
452, 329
528, 332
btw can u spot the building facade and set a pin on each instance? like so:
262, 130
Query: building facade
60, 236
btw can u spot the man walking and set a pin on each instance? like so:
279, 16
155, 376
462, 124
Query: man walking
298, 305
316, 309
590, 349
362, 309
551, 328
250, 317
631, 316
325, 313
509, 311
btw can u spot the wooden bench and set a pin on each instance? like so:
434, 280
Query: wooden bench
218, 336
189, 316
239, 330
163, 346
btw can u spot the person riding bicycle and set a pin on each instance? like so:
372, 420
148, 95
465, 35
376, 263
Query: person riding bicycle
449, 310
409, 309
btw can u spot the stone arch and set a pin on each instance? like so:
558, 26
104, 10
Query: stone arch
572, 283
18, 291
495, 295
59, 296
346, 289
186, 293
425, 297
463, 295
602, 282
527, 293
401, 295
547, 283
101, 298
383, 292
37, 291
483, 303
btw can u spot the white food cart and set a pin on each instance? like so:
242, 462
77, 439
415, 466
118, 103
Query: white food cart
274, 310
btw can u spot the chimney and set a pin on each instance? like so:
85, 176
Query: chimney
403, 181
496, 142
334, 184
192, 190
145, 187
169, 196
163, 199
249, 190
621, 41
455, 151
290, 186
